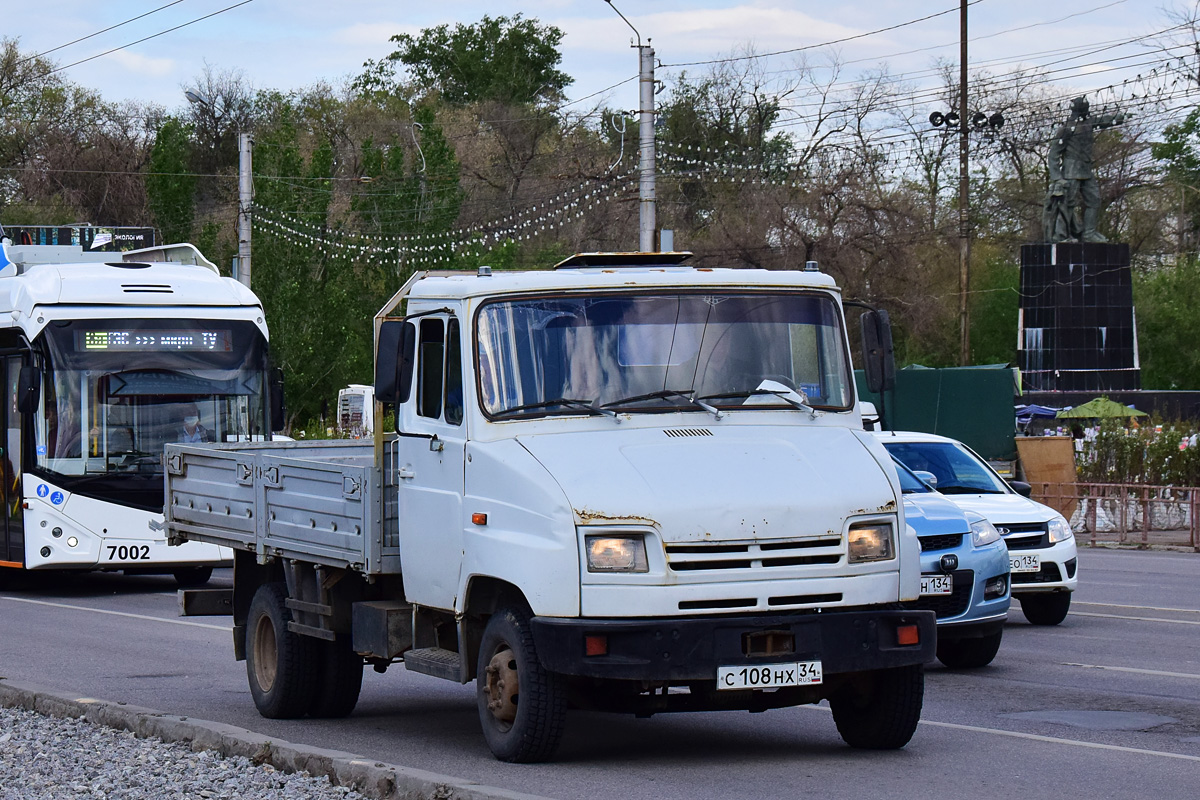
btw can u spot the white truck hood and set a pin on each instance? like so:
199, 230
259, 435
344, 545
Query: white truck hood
718, 483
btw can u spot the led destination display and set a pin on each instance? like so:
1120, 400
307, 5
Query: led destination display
146, 340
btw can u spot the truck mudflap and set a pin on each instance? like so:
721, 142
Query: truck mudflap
692, 648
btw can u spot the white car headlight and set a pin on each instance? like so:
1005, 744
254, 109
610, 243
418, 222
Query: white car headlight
870, 542
1060, 530
983, 532
616, 553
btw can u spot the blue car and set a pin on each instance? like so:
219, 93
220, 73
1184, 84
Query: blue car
964, 574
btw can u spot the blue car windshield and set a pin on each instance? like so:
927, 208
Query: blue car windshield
909, 483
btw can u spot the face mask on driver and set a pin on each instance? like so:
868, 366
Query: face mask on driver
189, 421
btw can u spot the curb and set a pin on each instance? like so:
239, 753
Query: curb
372, 778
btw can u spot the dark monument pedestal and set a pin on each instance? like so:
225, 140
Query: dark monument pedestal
1076, 322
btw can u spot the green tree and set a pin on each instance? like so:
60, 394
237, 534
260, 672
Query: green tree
170, 187
1168, 312
506, 59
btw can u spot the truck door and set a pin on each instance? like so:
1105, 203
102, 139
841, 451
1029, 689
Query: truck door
432, 459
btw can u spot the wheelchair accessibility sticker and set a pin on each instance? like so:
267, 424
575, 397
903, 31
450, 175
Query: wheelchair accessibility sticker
56, 498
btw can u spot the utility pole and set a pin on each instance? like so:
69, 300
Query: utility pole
245, 201
646, 189
964, 199
647, 222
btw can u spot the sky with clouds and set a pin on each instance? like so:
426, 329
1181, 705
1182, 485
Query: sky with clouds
289, 44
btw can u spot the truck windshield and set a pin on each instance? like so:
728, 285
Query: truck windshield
116, 391
659, 352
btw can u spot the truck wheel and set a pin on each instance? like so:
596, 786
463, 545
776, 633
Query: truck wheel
879, 710
189, 577
340, 674
1046, 609
969, 653
522, 705
280, 665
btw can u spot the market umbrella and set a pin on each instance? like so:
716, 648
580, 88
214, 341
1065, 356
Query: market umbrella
1100, 408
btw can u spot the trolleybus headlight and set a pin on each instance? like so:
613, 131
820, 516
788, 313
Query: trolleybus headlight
616, 553
870, 542
72, 541
56, 532
45, 551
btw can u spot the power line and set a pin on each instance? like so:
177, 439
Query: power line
820, 44
97, 33
148, 38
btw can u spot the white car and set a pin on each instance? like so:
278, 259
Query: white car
1041, 546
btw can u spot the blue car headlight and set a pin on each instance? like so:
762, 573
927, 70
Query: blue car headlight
982, 531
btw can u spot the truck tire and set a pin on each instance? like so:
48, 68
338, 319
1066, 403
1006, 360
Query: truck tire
339, 679
969, 653
190, 577
522, 705
280, 665
879, 710
1046, 609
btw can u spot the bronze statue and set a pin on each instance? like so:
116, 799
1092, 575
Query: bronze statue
1072, 206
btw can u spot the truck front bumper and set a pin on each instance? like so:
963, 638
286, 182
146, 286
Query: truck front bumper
692, 648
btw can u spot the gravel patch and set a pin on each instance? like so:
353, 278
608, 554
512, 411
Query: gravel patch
54, 758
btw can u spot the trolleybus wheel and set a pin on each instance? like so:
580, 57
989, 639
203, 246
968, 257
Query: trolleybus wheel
969, 653
189, 577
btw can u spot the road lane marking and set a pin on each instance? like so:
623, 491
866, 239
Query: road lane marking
115, 613
1136, 619
1141, 608
1057, 740
1135, 669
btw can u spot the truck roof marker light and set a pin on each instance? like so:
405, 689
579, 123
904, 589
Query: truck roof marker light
595, 644
479, 519
484, 271
908, 634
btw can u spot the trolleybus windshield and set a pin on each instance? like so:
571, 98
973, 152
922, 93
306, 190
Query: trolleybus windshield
116, 391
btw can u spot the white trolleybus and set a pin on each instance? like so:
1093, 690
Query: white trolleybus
105, 357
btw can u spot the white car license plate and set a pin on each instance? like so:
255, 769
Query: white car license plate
1025, 562
769, 676
937, 584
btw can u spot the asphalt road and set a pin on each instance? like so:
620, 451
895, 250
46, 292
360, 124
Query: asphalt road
1105, 705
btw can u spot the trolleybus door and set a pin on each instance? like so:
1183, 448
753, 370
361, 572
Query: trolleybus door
12, 530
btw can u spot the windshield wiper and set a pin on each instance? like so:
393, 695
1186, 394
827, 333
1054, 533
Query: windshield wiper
784, 395
665, 394
571, 402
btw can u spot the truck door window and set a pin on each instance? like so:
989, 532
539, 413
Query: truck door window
454, 376
430, 362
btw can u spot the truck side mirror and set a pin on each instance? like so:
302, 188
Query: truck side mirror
878, 355
29, 385
395, 353
278, 407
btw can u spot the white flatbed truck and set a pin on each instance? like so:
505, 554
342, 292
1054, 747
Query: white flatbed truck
622, 484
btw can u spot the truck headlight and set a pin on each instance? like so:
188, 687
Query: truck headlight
609, 553
870, 542
983, 532
1060, 530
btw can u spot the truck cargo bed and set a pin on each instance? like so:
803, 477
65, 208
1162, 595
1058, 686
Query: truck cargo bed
322, 502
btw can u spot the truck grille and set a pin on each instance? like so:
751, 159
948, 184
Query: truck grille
1025, 535
754, 555
955, 603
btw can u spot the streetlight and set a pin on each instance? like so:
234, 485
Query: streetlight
245, 190
646, 190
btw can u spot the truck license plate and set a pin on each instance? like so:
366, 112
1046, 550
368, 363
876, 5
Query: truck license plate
769, 676
937, 584
1025, 562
